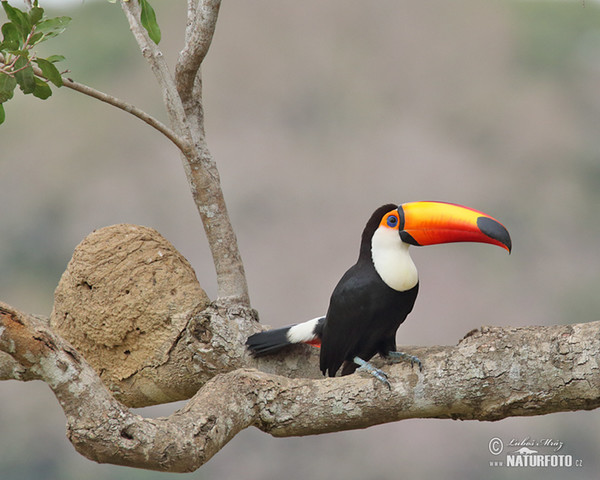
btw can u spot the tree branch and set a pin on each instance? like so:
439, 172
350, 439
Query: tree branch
201, 23
159, 66
10, 369
183, 100
179, 142
492, 373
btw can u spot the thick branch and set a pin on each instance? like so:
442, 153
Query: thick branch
491, 374
10, 369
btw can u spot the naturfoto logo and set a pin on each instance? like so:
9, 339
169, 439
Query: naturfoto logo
530, 452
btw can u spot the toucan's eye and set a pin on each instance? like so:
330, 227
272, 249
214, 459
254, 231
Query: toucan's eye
392, 221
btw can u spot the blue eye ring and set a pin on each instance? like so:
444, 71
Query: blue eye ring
392, 221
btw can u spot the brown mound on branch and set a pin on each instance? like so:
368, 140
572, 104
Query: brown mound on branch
125, 297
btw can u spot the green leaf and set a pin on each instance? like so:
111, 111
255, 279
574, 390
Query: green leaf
55, 58
53, 26
7, 87
20, 53
36, 38
18, 18
12, 37
2, 114
36, 14
148, 19
42, 89
25, 77
50, 71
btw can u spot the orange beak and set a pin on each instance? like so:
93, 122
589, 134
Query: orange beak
430, 223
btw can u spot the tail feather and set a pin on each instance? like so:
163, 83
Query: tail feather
267, 342
271, 341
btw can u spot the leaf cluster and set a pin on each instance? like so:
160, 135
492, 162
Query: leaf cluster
21, 34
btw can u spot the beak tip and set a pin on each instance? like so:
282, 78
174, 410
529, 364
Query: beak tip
496, 231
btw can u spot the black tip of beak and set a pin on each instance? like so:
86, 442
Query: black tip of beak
495, 230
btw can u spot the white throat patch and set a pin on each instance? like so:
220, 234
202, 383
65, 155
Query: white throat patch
392, 260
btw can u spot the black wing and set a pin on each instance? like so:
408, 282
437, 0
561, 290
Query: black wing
347, 318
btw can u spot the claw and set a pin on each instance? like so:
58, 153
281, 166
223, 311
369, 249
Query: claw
378, 374
406, 356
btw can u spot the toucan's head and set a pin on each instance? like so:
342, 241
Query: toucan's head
430, 223
393, 228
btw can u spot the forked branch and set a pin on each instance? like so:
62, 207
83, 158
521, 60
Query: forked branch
182, 96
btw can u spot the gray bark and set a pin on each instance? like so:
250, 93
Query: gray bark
491, 374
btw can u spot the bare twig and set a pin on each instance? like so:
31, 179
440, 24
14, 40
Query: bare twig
180, 142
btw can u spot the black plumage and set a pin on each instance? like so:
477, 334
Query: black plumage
364, 313
267, 342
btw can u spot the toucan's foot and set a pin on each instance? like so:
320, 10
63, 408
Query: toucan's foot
406, 357
367, 367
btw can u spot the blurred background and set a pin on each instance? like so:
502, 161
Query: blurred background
317, 113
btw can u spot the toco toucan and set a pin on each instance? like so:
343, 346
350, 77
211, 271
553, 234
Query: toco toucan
376, 294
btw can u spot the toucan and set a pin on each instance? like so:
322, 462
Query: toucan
376, 294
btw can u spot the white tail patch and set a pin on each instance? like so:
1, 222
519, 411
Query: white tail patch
303, 332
